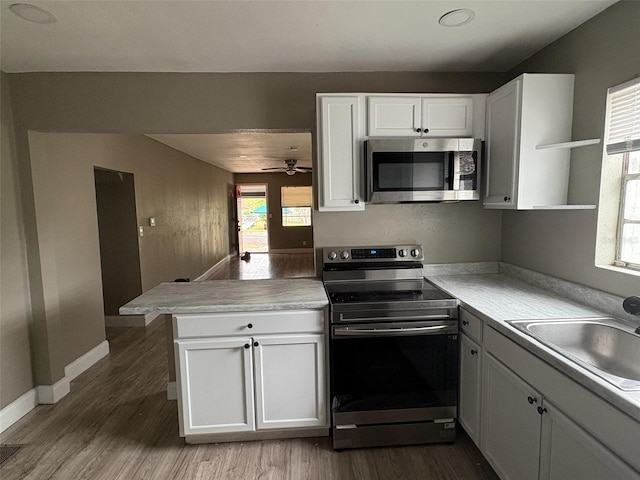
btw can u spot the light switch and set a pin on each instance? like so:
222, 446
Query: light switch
152, 221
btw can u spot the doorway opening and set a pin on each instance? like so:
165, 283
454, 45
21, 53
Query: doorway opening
118, 236
253, 218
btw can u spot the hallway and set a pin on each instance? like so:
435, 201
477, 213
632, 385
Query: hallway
267, 265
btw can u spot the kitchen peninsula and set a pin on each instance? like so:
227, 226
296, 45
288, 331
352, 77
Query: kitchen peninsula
253, 348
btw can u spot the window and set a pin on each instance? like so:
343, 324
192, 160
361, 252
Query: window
296, 206
629, 226
623, 146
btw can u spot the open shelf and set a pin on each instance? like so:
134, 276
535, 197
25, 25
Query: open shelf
576, 144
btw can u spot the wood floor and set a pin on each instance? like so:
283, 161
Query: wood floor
117, 424
267, 265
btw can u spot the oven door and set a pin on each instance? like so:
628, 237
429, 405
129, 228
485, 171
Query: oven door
394, 372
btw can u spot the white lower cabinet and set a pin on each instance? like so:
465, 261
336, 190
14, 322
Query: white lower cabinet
525, 435
290, 390
242, 383
215, 381
567, 451
510, 424
470, 381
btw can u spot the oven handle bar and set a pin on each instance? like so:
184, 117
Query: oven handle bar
359, 331
395, 318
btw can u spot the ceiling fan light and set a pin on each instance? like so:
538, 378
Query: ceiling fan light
290, 172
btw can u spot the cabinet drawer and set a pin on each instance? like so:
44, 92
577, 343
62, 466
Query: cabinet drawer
471, 325
248, 323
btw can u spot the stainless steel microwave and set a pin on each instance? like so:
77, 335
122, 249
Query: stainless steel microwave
399, 170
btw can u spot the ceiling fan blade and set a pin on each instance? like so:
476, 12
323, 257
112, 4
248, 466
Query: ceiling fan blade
279, 169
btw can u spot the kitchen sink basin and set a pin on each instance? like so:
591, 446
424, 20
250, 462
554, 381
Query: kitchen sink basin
605, 346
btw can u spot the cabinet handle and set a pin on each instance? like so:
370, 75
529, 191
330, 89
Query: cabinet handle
465, 322
255, 344
532, 400
507, 199
473, 351
541, 410
426, 130
356, 201
250, 325
418, 130
246, 345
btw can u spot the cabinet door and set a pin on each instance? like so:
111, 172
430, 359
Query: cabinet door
510, 438
396, 116
215, 385
570, 452
503, 132
447, 116
290, 381
340, 153
470, 383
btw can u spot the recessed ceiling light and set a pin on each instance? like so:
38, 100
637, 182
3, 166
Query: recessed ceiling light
242, 156
457, 18
32, 13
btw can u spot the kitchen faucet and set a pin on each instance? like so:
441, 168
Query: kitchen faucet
632, 305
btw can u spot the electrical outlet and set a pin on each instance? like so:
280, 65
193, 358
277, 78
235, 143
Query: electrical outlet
304, 242
141, 230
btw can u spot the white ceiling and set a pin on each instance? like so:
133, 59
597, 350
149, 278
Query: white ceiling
279, 36
283, 36
259, 149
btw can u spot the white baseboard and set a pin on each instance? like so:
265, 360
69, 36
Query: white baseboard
18, 409
291, 250
129, 320
87, 360
172, 391
50, 394
213, 269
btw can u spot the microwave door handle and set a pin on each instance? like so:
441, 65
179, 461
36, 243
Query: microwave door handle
454, 174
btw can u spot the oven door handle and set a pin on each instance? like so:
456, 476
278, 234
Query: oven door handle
395, 318
356, 331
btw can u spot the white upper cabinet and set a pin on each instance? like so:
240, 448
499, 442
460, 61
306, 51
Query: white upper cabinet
340, 144
423, 116
532, 110
343, 124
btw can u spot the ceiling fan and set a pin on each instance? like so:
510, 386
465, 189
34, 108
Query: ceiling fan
290, 168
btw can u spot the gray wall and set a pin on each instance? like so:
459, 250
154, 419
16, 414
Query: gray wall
601, 53
15, 309
187, 197
281, 238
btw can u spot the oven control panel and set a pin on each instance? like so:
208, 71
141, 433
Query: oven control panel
401, 253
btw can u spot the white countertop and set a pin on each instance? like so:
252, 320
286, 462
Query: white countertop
496, 298
216, 296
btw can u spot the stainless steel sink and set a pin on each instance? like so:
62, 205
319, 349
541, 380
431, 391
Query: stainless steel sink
605, 346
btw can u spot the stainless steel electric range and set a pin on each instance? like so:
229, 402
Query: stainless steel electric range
393, 349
